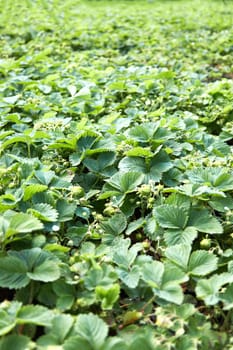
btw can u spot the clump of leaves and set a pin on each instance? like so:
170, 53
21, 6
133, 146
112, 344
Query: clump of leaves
116, 203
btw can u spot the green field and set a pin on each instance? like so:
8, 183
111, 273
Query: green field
116, 182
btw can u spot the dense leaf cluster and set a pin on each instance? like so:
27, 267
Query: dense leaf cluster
116, 183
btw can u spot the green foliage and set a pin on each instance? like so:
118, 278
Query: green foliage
116, 183
18, 268
199, 263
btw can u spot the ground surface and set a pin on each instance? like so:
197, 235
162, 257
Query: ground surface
116, 176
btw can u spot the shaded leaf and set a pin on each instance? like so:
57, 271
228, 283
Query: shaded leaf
65, 209
16, 342
208, 289
74, 343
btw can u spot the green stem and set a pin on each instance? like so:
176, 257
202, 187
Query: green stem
150, 301
29, 150
226, 322
31, 292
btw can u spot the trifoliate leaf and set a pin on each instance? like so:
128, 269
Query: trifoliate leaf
208, 289
44, 212
47, 271
126, 182
74, 343
152, 273
129, 277
135, 225
213, 177
171, 292
7, 322
13, 273
125, 257
18, 268
179, 255
11, 99
203, 221
202, 263
44, 177
23, 223
91, 328
171, 216
107, 295
152, 168
185, 236
143, 133
61, 325
30, 190
35, 314
220, 204
226, 297
65, 209
102, 161
16, 342
115, 225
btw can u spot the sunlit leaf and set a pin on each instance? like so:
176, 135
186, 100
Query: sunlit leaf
91, 328
171, 216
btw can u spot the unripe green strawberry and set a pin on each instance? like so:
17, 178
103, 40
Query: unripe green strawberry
205, 243
144, 190
146, 244
77, 191
109, 210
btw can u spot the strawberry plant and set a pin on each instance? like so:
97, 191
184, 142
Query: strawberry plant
116, 182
